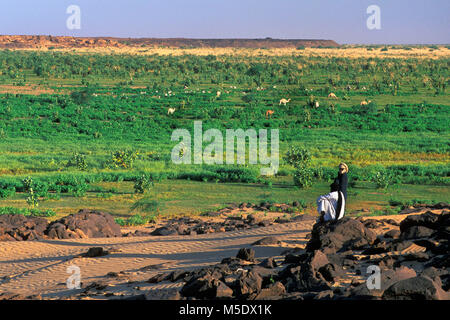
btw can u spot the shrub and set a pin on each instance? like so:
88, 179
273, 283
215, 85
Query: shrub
27, 212
384, 179
300, 159
142, 184
303, 177
81, 97
7, 192
123, 158
79, 161
297, 157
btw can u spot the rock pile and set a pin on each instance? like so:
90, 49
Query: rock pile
336, 251
19, 228
84, 224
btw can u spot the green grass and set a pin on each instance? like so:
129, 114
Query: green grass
171, 198
101, 110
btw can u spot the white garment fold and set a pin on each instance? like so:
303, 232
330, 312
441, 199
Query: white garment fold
328, 204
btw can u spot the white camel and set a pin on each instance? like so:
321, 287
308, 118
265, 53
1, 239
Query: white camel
171, 110
284, 101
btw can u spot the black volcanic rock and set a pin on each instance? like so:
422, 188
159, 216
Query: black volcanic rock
84, 224
341, 235
17, 227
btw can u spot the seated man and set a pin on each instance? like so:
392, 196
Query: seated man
331, 206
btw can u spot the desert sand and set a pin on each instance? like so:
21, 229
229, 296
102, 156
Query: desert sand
39, 268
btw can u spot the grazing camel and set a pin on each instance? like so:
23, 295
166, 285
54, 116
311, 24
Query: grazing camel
171, 110
269, 113
365, 103
284, 101
332, 95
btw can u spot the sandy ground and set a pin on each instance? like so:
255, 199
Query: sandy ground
40, 267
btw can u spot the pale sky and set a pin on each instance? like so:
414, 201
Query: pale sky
402, 21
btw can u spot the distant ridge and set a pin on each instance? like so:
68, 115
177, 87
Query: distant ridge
39, 41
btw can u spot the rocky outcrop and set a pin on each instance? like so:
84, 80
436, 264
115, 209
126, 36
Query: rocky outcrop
341, 235
334, 250
16, 227
84, 224
38, 41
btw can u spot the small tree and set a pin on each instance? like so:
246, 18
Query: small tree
142, 184
300, 159
78, 160
124, 159
32, 198
383, 179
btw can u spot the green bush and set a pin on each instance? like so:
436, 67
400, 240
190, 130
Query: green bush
79, 161
142, 184
27, 212
123, 159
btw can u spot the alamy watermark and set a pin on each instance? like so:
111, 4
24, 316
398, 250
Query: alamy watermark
74, 280
374, 20
74, 20
373, 282
213, 153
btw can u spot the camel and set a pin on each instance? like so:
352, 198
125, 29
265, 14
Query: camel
365, 103
269, 113
316, 104
171, 110
284, 101
332, 95
218, 94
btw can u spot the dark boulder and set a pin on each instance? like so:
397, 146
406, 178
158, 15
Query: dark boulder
417, 232
247, 254
387, 278
84, 224
372, 224
417, 288
442, 261
249, 283
268, 263
17, 227
434, 273
267, 241
273, 292
316, 260
441, 205
331, 272
164, 231
95, 252
158, 278
429, 220
392, 234
341, 235
201, 288
293, 258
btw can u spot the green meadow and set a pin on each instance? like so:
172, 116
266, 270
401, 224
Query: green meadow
90, 126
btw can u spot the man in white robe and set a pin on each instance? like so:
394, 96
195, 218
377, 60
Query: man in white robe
331, 206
